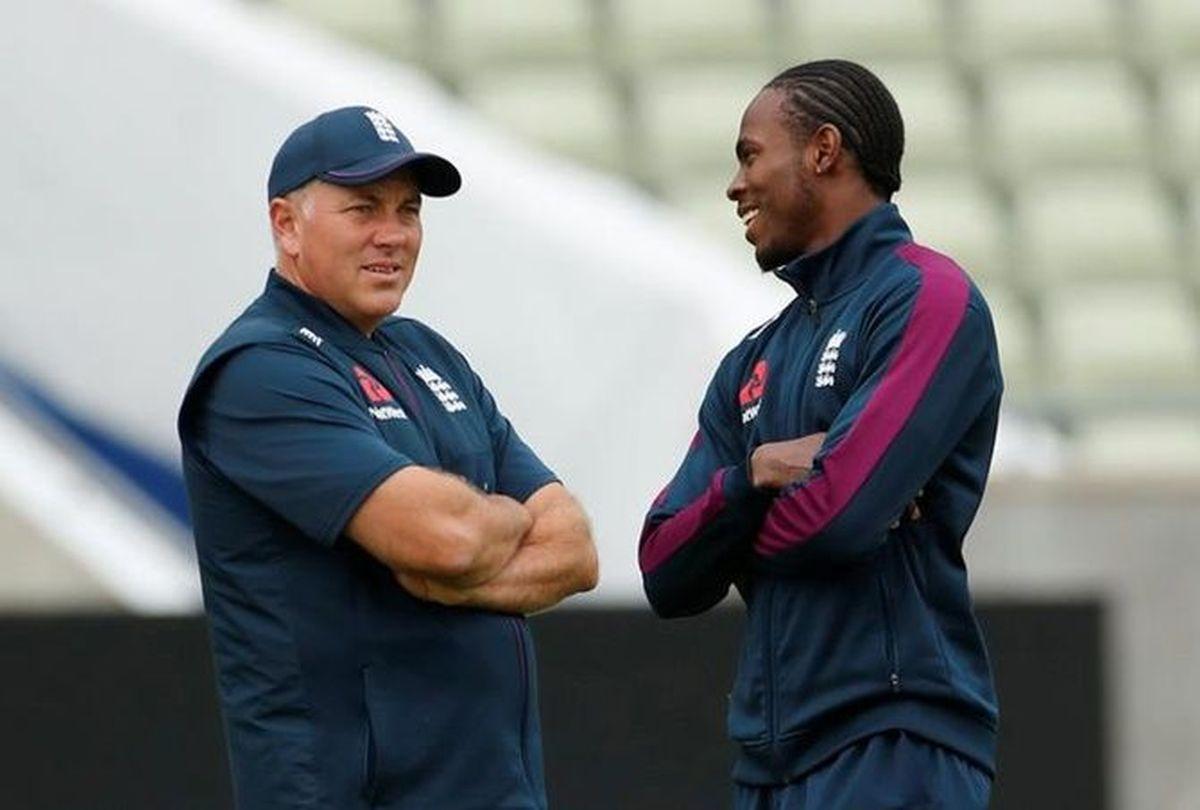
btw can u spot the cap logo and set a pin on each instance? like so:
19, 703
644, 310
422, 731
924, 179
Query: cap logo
383, 127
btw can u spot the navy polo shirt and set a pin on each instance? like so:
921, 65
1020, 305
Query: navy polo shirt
339, 689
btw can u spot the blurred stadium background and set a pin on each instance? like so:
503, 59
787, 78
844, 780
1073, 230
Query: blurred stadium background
594, 273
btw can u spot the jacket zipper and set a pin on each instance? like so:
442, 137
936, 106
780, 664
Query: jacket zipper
809, 302
769, 666
885, 598
368, 764
402, 389
519, 637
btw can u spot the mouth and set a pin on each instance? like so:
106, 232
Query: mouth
382, 268
747, 216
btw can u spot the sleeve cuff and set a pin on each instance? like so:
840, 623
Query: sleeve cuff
737, 487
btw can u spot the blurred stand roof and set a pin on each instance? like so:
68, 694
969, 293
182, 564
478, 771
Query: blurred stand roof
137, 229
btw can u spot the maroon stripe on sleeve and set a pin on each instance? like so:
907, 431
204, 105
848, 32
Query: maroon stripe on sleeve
666, 538
936, 316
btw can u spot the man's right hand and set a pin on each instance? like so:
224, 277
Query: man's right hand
774, 465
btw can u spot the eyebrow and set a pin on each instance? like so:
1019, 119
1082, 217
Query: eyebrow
373, 197
357, 195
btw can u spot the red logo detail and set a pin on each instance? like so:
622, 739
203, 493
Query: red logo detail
374, 389
755, 386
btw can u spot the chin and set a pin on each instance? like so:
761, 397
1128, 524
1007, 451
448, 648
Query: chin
384, 310
772, 257
769, 260
381, 306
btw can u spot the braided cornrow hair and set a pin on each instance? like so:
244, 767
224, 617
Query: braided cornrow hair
854, 100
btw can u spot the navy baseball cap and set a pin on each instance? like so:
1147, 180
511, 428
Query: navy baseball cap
353, 146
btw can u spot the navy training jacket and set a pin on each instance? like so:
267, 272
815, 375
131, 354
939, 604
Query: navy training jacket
855, 624
339, 689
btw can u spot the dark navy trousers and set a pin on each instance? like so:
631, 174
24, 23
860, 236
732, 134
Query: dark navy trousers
890, 771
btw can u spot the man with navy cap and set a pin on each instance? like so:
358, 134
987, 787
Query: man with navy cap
370, 529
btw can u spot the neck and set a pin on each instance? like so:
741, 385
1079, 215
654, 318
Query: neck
843, 206
286, 269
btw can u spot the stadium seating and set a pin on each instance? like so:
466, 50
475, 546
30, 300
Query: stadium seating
648, 33
956, 214
937, 114
1138, 445
1192, 232
1037, 28
1014, 333
1181, 98
1170, 29
1053, 148
691, 115
1058, 114
572, 109
476, 34
1093, 227
393, 27
1125, 341
867, 29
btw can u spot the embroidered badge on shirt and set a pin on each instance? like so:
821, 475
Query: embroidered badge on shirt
441, 389
828, 365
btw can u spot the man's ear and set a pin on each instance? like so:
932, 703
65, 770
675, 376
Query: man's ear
824, 149
285, 224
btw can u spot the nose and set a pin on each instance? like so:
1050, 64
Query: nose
392, 233
737, 186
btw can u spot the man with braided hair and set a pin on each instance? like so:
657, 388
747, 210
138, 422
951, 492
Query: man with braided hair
863, 681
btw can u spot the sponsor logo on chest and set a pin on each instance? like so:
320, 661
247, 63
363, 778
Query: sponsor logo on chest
441, 389
383, 407
827, 367
750, 397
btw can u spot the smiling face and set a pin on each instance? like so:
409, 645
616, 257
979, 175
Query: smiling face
354, 247
774, 189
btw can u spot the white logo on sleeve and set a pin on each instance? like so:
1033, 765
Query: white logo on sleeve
441, 389
828, 365
311, 336
383, 127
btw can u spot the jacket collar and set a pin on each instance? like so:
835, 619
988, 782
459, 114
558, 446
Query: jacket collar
313, 313
843, 265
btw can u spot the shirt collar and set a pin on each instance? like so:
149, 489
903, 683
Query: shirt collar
843, 265
313, 312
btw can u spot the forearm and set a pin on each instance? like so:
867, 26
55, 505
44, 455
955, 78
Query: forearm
424, 522
501, 524
537, 578
555, 559
690, 559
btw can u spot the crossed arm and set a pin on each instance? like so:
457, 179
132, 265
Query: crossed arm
929, 375
698, 535
447, 542
774, 465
